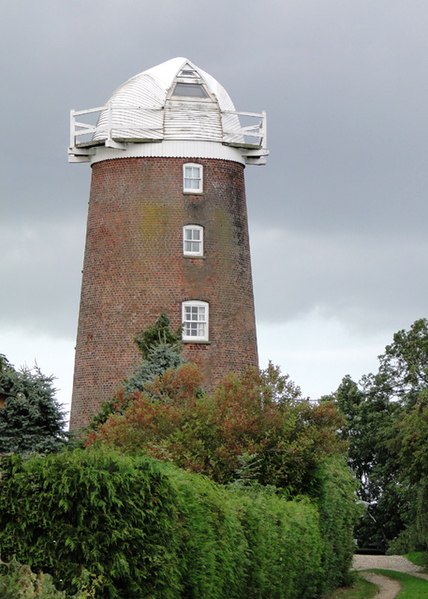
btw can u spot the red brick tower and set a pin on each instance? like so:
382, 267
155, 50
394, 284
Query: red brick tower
167, 227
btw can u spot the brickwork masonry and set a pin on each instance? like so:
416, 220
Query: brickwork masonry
134, 269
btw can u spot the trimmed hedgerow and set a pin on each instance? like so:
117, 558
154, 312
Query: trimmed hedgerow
284, 544
338, 515
246, 542
95, 516
123, 527
213, 544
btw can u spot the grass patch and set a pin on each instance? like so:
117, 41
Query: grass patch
419, 558
360, 589
412, 587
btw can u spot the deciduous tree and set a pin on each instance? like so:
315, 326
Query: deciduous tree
385, 428
257, 421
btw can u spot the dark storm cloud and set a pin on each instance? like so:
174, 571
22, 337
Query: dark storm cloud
369, 284
40, 273
338, 217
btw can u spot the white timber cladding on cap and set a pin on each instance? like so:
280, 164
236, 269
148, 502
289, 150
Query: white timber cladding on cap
174, 101
193, 120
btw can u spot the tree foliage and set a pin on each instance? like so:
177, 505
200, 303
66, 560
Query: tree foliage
31, 418
105, 524
386, 427
409, 445
257, 421
158, 334
403, 368
161, 350
410, 439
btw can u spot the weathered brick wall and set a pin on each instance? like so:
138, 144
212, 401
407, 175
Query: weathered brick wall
134, 269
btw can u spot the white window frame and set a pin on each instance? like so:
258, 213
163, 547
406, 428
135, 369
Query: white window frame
195, 321
189, 240
182, 86
188, 181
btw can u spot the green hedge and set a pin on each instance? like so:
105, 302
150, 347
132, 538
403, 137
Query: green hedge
241, 543
122, 527
95, 515
212, 542
284, 545
338, 516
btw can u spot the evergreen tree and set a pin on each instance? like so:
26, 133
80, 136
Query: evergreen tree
158, 334
161, 350
31, 418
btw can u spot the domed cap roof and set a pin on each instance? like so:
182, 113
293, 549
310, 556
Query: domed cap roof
175, 102
152, 87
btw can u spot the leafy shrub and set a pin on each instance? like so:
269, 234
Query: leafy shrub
17, 581
415, 535
242, 542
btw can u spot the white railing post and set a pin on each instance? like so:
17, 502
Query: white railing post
109, 122
72, 129
264, 130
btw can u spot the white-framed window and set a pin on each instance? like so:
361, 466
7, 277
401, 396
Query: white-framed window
195, 320
192, 178
190, 90
193, 240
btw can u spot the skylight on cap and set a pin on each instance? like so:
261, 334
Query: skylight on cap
191, 90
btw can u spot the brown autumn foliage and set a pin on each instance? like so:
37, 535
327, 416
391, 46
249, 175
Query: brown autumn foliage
254, 427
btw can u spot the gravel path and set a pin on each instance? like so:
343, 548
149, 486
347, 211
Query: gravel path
388, 588
387, 562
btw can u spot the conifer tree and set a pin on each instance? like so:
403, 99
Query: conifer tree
160, 349
31, 418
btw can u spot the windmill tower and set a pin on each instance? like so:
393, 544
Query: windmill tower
167, 227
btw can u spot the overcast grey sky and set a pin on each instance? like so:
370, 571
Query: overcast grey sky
338, 217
